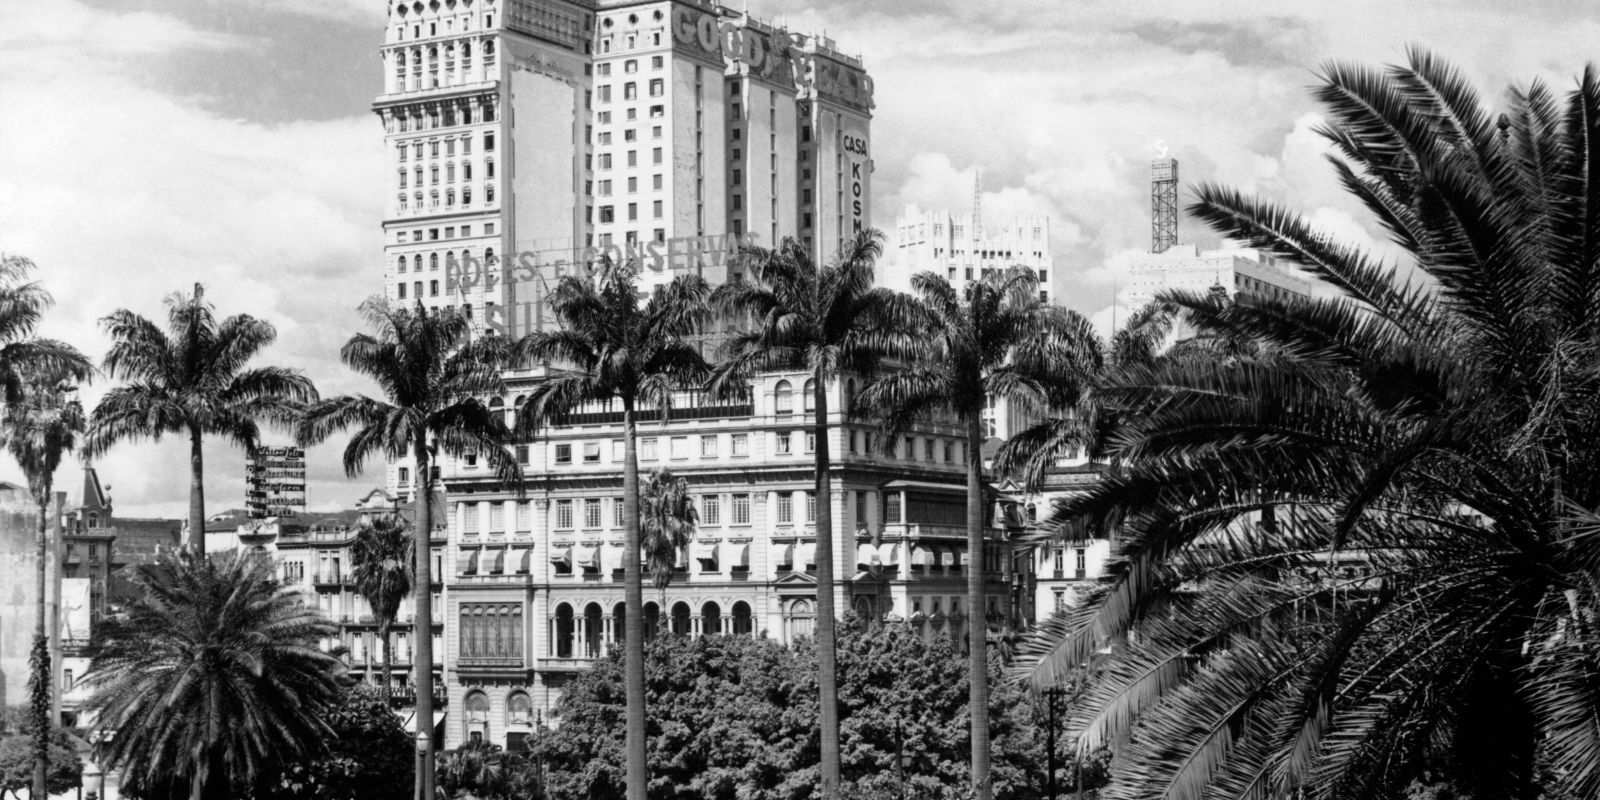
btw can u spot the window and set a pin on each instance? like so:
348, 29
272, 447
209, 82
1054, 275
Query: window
949, 453
563, 454
608, 214
655, 208
708, 447
603, 70
605, 94
891, 507
1081, 564
563, 513
927, 449
522, 454
524, 516
741, 444
680, 448
655, 155
655, 182
647, 449
617, 512
785, 508
811, 442
402, 291
783, 398
811, 507
658, 87
910, 452
785, 443
591, 514
469, 517
488, 142
656, 62
403, 477
497, 517
591, 452
741, 509
711, 510
630, 91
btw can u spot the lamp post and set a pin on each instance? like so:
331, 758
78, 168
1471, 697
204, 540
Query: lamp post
1050, 696
95, 780
424, 750
902, 759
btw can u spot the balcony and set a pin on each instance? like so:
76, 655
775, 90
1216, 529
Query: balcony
329, 580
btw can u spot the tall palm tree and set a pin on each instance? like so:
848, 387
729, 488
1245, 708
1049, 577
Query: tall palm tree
1438, 444
667, 523
381, 559
996, 341
213, 679
827, 320
25, 358
39, 427
614, 348
434, 375
192, 379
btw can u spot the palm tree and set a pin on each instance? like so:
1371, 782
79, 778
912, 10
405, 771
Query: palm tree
25, 358
213, 680
667, 521
1436, 443
381, 560
997, 341
826, 320
40, 426
434, 375
614, 349
192, 379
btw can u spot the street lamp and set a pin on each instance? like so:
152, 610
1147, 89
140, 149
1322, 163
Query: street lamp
902, 759
95, 780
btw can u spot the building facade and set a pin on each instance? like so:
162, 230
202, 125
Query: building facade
1241, 271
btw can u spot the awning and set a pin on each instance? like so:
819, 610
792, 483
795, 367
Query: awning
561, 554
923, 556
494, 560
947, 558
889, 554
467, 562
786, 556
868, 556
805, 555
587, 557
924, 486
410, 723
706, 554
738, 555
522, 560
610, 559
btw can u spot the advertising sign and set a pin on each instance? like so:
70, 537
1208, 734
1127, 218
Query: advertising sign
275, 479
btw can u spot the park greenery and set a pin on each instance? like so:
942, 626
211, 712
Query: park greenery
1356, 535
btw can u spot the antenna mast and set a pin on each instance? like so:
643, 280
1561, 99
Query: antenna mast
977, 205
1163, 203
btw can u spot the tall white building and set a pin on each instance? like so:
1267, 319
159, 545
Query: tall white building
953, 246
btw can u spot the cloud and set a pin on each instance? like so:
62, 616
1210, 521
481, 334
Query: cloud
124, 194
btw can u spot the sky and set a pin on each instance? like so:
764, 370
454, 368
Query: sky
147, 145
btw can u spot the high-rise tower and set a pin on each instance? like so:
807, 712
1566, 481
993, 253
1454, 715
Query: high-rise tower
1163, 204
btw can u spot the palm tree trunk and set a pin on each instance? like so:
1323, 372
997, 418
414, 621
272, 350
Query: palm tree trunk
633, 613
386, 687
39, 701
827, 633
422, 631
977, 617
197, 496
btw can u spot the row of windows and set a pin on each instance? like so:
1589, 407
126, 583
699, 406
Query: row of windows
407, 151
433, 116
629, 67
416, 235
450, 258
657, 156
404, 203
449, 173
409, 66
608, 213
682, 448
656, 183
490, 630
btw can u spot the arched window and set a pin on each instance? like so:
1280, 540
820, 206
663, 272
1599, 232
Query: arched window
488, 168
401, 266
741, 619
433, 261
466, 195
652, 621
466, 170
477, 717
488, 256
450, 172
519, 709
488, 193
94, 519
466, 310
808, 399
800, 618
450, 198
416, 262
417, 171
404, 206
563, 631
783, 398
402, 172
593, 629
680, 618
433, 174
711, 619
449, 260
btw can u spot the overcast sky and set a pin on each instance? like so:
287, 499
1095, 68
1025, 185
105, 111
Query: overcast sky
146, 145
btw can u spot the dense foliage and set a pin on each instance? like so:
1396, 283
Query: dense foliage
369, 756
1368, 539
735, 717
17, 763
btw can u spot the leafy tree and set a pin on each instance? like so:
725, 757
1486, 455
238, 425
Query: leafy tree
433, 375
996, 342
486, 772
381, 560
39, 426
828, 320
735, 717
667, 521
192, 379
17, 764
368, 757
25, 358
1374, 530
615, 348
212, 679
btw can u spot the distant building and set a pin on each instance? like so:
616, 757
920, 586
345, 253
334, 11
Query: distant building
1240, 271
103, 547
962, 251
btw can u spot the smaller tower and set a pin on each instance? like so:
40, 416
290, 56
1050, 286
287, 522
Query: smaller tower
1163, 204
977, 205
